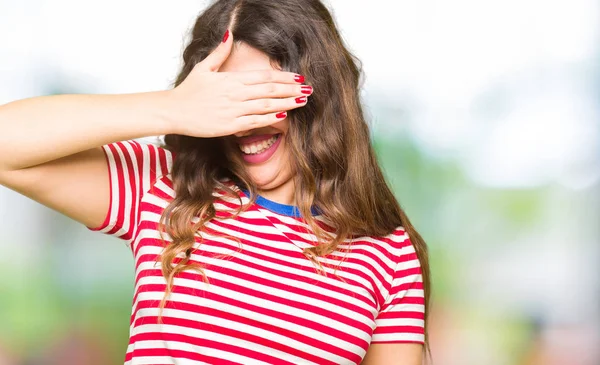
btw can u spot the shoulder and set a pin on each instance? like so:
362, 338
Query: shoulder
394, 241
403, 248
400, 236
394, 249
140, 161
142, 150
154, 154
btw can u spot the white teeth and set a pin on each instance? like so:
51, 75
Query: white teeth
258, 147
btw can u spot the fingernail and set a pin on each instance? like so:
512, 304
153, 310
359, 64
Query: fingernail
225, 36
299, 78
306, 90
301, 100
281, 115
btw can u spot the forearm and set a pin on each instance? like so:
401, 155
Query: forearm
41, 129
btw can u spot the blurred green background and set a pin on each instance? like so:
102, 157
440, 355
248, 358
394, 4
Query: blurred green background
485, 117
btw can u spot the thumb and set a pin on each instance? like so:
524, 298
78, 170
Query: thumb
217, 57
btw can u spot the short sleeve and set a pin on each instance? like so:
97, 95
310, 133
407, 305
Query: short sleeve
402, 315
133, 169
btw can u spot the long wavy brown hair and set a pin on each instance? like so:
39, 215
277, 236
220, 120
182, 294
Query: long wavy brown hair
336, 168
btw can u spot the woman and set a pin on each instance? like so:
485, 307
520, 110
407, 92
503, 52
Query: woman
263, 230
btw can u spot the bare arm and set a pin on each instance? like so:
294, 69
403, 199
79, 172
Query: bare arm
42, 129
50, 146
396, 353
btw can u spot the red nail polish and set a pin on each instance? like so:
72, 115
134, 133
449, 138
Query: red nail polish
301, 100
306, 90
226, 36
299, 79
281, 115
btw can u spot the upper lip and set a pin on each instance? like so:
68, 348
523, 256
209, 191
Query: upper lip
255, 138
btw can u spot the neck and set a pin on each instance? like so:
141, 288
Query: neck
283, 194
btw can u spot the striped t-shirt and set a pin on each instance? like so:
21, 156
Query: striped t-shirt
264, 302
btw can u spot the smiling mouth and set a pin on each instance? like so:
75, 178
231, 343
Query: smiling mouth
258, 147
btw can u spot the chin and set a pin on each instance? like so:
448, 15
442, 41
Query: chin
263, 177
266, 159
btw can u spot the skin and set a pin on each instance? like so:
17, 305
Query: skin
394, 353
274, 180
274, 176
49, 145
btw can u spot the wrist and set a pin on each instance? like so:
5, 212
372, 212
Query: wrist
162, 110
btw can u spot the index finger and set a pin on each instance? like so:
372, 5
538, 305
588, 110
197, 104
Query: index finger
269, 76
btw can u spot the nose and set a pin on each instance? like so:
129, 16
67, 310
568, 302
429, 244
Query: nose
243, 133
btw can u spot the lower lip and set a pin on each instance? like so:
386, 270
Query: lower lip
263, 156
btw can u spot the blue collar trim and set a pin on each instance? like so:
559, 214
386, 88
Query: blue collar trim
283, 209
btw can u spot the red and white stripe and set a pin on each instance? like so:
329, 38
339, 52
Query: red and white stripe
264, 303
